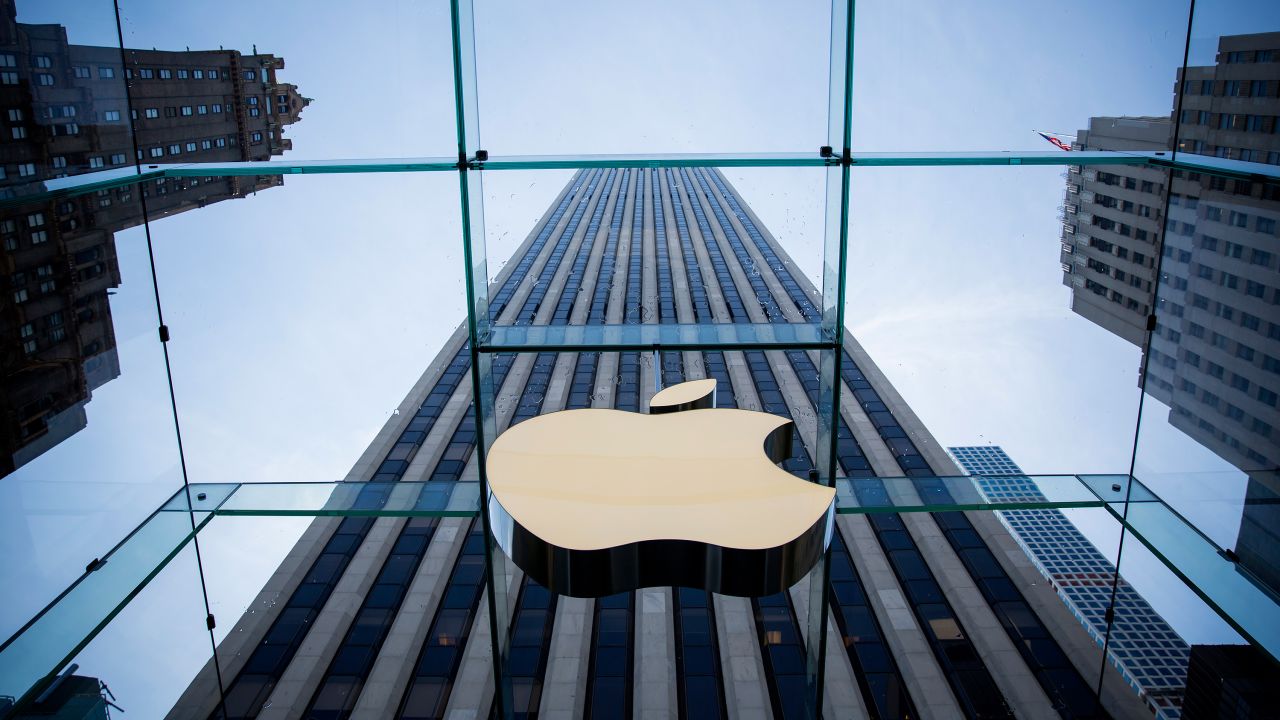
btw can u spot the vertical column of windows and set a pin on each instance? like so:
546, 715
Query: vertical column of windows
879, 677
737, 311
500, 299
437, 665
345, 677
574, 281
543, 282
697, 285
634, 309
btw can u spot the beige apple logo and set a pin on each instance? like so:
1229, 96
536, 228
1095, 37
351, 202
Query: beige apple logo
595, 502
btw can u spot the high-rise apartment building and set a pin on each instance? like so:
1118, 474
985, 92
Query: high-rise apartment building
1214, 355
931, 615
1150, 655
64, 111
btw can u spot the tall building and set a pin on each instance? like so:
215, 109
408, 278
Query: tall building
932, 615
1214, 356
64, 110
1149, 654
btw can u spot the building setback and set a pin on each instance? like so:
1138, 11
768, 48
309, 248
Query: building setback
1214, 355
1149, 654
64, 110
932, 615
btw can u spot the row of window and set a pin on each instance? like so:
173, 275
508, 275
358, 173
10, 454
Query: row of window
1245, 56
158, 151
1232, 121
179, 111
1230, 88
183, 73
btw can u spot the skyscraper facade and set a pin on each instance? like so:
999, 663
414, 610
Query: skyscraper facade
931, 615
1150, 655
1214, 354
64, 110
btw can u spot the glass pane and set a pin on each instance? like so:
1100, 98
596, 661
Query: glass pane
280, 88
928, 77
1161, 624
989, 334
673, 88
90, 449
295, 344
1227, 98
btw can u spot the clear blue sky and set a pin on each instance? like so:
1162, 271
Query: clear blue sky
301, 316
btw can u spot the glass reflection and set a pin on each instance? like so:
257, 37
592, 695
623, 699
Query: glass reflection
1186, 266
72, 109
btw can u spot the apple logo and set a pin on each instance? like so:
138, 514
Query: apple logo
595, 502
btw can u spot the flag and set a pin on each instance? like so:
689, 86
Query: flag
1058, 143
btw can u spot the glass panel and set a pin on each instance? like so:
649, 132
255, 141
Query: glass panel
297, 344
1161, 625
147, 653
675, 87
57, 634
1226, 101
282, 90
1208, 443
355, 499
975, 492
949, 87
973, 325
89, 443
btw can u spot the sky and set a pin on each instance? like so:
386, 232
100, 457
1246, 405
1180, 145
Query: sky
302, 315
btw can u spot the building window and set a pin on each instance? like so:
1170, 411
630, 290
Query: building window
111, 116
18, 132
8, 78
26, 169
183, 74
81, 72
146, 73
206, 144
15, 115
106, 73
187, 111
250, 75
166, 74
197, 74
221, 142
171, 112
35, 220
59, 162
254, 112
202, 109
256, 138
29, 347
152, 113
44, 79
39, 236
96, 161
117, 159
156, 152
217, 108
43, 61
191, 147
8, 60
213, 74
175, 149
1231, 88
